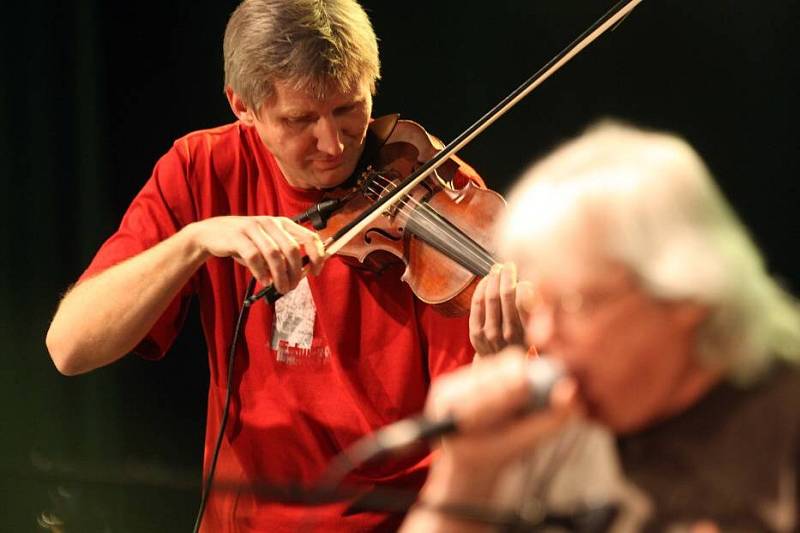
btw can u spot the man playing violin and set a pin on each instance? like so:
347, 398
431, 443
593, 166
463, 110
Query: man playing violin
674, 337
346, 350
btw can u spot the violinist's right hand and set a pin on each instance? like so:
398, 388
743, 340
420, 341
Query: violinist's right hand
105, 316
499, 310
270, 247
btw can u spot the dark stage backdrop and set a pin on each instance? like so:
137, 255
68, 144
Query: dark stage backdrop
94, 92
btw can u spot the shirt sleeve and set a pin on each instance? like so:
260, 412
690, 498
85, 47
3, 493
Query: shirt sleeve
163, 206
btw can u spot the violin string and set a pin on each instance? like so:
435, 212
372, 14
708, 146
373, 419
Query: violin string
418, 212
469, 250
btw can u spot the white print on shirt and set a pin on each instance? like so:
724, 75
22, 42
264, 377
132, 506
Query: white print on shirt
293, 327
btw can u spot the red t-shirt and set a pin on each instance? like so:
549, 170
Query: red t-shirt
339, 357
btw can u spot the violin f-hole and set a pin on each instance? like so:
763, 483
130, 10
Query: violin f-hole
368, 236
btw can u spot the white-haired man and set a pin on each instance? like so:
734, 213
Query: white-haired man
674, 337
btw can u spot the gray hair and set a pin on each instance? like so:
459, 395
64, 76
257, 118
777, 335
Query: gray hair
660, 213
315, 45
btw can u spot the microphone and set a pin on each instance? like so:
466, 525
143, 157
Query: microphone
318, 214
542, 373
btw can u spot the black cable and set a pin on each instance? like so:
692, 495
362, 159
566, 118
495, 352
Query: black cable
322, 209
217, 445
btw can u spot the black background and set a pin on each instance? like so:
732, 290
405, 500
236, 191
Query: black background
94, 92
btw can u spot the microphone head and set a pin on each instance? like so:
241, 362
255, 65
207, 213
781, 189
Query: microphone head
543, 374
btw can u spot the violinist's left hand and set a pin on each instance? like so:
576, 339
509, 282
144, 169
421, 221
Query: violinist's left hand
499, 310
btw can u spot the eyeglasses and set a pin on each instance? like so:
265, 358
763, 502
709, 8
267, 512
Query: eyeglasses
581, 304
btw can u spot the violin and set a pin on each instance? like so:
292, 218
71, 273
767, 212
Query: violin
441, 231
404, 205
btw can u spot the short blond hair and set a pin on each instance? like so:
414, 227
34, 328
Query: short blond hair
314, 45
657, 210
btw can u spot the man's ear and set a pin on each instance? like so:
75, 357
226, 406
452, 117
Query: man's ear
239, 108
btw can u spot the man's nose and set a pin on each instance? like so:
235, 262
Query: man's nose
329, 138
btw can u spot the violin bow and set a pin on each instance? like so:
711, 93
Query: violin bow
335, 242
